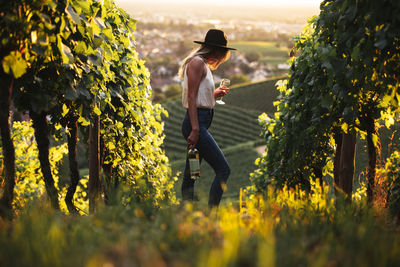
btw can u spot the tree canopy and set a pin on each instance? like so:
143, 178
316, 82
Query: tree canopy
73, 61
344, 79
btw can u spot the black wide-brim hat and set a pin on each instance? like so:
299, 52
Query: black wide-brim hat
216, 38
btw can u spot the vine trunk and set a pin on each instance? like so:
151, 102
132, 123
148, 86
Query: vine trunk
347, 164
73, 163
94, 164
107, 171
8, 146
43, 143
336, 164
371, 160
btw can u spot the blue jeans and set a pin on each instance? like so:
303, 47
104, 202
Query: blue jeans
211, 153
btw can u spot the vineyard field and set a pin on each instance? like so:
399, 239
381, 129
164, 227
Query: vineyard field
266, 49
257, 97
92, 159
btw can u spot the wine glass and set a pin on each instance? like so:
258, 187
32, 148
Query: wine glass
224, 82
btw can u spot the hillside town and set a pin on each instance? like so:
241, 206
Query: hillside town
163, 39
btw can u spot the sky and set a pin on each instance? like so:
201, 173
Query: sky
279, 3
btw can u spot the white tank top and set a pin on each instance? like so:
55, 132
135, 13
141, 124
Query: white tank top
205, 95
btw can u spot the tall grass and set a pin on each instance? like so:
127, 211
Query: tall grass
289, 228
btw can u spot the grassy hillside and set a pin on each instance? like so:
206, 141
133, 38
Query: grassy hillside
270, 53
255, 96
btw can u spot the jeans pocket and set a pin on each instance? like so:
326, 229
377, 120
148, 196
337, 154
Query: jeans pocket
204, 117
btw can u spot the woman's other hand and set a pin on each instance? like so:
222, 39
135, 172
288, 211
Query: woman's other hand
221, 91
193, 138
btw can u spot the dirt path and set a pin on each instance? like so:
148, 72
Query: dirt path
261, 150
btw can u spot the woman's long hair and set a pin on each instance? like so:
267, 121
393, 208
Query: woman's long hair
212, 55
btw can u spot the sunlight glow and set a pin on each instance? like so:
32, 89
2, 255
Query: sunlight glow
248, 3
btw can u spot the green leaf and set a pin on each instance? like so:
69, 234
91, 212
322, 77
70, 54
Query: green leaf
84, 5
71, 94
64, 110
385, 101
14, 64
95, 60
110, 146
39, 49
81, 48
99, 22
83, 121
355, 53
381, 44
96, 110
108, 33
375, 139
66, 53
345, 127
326, 101
327, 65
71, 12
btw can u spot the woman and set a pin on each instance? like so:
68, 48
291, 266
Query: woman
198, 97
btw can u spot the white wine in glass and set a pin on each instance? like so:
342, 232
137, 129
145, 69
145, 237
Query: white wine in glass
224, 82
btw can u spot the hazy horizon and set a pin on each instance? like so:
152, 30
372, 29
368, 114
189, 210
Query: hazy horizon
291, 14
247, 3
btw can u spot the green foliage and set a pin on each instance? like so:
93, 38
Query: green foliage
158, 95
343, 79
173, 90
252, 56
14, 64
392, 172
29, 180
78, 59
321, 231
245, 68
290, 228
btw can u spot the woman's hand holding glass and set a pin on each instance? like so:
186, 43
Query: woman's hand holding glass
222, 90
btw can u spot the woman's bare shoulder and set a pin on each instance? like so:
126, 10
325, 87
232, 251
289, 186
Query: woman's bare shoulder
196, 63
197, 60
